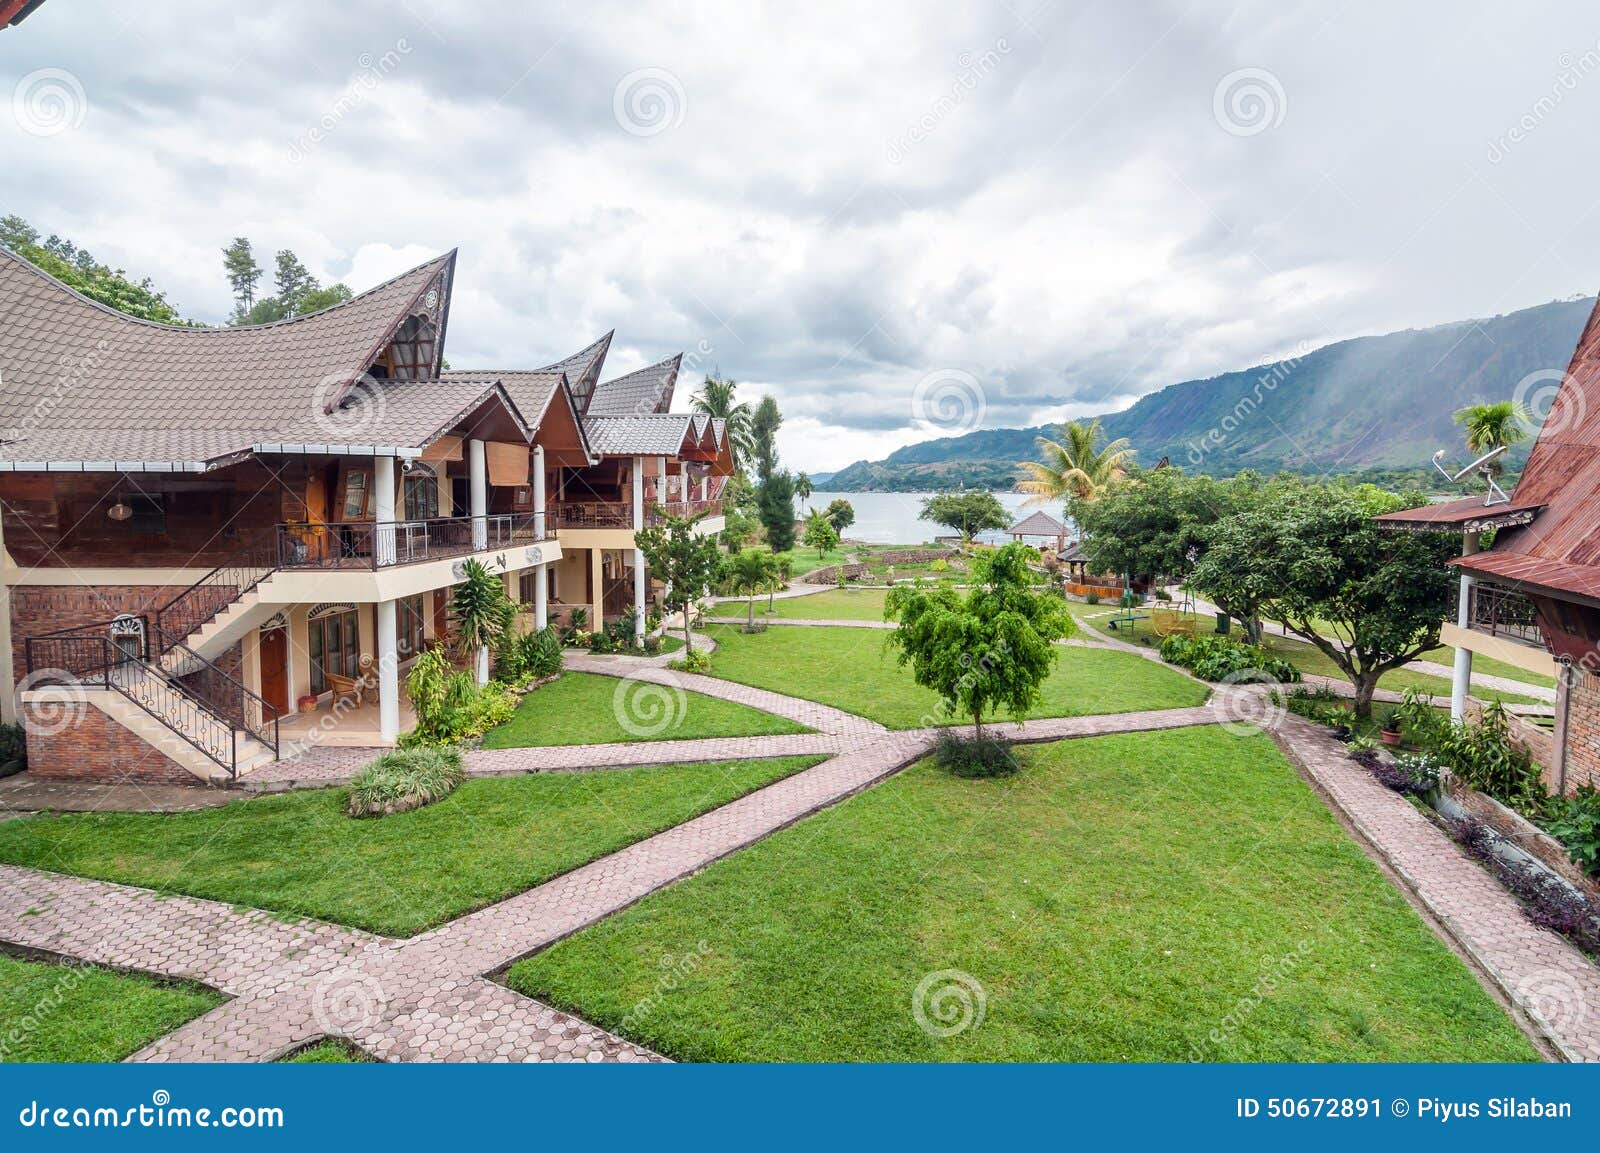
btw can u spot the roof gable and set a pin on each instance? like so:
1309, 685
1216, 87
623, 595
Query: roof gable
647, 390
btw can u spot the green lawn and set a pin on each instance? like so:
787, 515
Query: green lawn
1309, 659
330, 1051
853, 669
588, 709
839, 605
51, 1012
803, 559
1142, 897
1445, 655
298, 854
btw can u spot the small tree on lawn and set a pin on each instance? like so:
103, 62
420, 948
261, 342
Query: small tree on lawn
969, 513
1311, 557
820, 533
841, 514
685, 559
989, 650
748, 572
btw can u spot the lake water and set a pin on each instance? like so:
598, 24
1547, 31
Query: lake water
891, 517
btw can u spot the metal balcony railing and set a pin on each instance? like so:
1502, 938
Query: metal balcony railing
1502, 613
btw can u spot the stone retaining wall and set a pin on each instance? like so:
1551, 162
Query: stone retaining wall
917, 555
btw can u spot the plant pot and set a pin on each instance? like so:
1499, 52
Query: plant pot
1390, 737
306, 704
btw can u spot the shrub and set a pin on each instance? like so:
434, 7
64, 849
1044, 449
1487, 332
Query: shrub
1546, 902
1218, 658
403, 780
542, 652
963, 755
1091, 597
13, 744
939, 564
652, 643
1480, 753
692, 661
1411, 773
1575, 822
1322, 705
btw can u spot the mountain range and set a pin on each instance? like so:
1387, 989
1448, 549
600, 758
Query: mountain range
1373, 405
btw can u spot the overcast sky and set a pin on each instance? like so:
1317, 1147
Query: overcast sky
875, 211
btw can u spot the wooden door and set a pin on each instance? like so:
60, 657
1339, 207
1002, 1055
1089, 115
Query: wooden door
274, 650
316, 497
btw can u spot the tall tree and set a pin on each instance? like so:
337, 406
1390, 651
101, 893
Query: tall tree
683, 558
764, 425
991, 649
1316, 563
1077, 468
775, 505
748, 571
239, 262
292, 281
717, 398
803, 487
969, 513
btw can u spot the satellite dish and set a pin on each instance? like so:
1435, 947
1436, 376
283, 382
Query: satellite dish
1481, 466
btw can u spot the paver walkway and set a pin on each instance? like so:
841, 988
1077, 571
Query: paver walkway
426, 998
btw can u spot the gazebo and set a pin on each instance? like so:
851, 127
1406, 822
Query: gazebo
1040, 525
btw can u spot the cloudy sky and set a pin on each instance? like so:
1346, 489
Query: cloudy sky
873, 211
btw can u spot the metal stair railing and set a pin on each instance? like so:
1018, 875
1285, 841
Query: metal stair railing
203, 601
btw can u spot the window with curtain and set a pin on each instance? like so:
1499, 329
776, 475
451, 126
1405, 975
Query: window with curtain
335, 646
422, 495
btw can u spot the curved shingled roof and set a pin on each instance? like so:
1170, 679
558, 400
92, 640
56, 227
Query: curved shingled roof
647, 390
83, 384
582, 370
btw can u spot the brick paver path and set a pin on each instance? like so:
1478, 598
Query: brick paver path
426, 998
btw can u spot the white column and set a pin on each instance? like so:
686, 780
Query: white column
541, 596
388, 673
538, 492
1461, 681
383, 544
638, 555
662, 495
478, 474
683, 481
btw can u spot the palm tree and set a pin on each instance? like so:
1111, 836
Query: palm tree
802, 486
749, 572
716, 399
1075, 467
1489, 426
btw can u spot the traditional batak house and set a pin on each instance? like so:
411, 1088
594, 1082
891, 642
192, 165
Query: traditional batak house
1532, 599
220, 543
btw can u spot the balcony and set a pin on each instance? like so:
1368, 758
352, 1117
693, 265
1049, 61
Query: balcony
1502, 613
371, 546
619, 514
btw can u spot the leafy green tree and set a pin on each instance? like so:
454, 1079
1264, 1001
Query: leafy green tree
79, 271
841, 514
820, 533
748, 571
1312, 559
969, 513
1150, 523
685, 559
292, 281
764, 425
1077, 468
239, 263
717, 398
775, 504
482, 612
316, 299
989, 650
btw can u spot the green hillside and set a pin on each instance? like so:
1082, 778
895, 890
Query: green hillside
1374, 405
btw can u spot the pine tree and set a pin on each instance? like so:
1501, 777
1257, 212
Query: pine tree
292, 281
239, 261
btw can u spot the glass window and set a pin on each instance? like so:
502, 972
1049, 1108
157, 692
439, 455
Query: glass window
355, 495
149, 514
334, 648
422, 496
409, 618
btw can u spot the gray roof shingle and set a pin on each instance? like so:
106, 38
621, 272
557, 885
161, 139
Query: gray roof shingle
651, 434
648, 390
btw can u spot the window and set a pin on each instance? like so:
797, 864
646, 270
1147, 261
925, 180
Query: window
422, 496
528, 583
409, 618
355, 495
411, 357
335, 645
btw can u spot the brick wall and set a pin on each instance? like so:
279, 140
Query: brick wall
74, 741
1583, 732
37, 609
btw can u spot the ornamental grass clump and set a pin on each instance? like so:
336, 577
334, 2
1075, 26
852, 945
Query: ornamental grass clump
404, 779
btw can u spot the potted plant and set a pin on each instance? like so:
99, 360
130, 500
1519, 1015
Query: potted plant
306, 703
1390, 732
